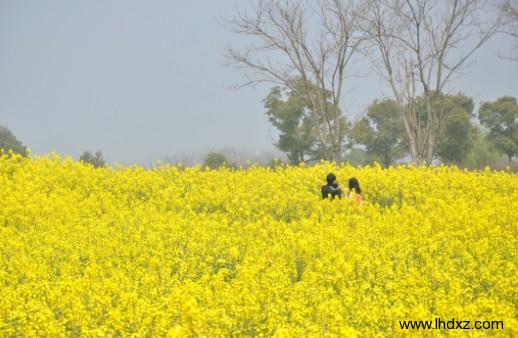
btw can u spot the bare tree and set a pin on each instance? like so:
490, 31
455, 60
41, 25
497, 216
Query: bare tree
509, 12
310, 44
423, 46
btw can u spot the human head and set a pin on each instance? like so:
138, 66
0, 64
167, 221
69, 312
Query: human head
353, 183
331, 178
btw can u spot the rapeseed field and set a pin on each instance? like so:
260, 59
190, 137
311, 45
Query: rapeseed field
186, 252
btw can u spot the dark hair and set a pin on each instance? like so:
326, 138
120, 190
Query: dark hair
353, 183
331, 178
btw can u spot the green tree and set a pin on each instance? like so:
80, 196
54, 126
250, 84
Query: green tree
482, 154
453, 132
456, 131
214, 160
456, 137
290, 118
96, 159
290, 112
501, 118
9, 142
382, 132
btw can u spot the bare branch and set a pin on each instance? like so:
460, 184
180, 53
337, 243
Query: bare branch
427, 43
316, 53
508, 10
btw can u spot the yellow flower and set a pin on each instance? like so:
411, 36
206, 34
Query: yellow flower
178, 252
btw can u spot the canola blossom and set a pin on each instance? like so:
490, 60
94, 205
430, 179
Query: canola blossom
186, 252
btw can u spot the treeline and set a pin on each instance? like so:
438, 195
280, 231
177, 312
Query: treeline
9, 143
464, 137
226, 156
416, 48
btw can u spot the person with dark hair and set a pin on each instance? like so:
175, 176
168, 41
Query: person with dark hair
355, 191
332, 188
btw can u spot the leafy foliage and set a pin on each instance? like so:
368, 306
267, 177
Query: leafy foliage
501, 118
381, 132
290, 113
97, 159
214, 160
456, 137
482, 154
453, 129
9, 142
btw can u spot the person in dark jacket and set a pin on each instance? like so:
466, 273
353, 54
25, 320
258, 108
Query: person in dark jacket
332, 188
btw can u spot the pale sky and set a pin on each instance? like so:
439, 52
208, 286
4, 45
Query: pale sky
141, 80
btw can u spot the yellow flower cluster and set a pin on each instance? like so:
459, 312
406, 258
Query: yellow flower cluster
178, 252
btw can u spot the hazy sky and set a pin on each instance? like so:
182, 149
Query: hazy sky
141, 80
